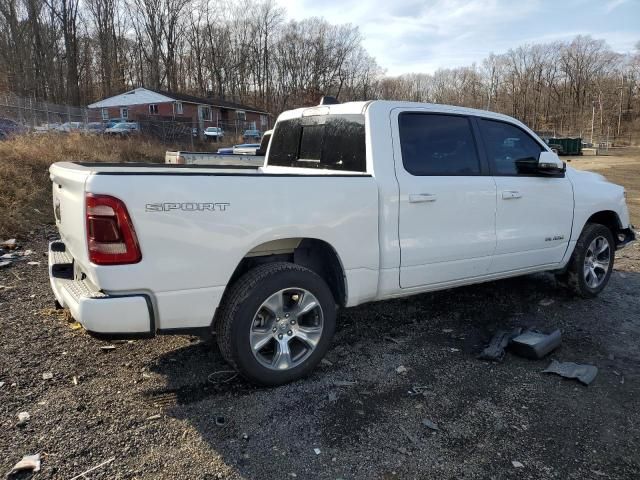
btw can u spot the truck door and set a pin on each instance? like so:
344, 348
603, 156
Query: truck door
534, 212
447, 199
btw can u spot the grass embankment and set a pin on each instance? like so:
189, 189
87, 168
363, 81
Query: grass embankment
25, 188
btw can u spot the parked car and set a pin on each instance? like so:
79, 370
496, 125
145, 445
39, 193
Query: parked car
95, 127
123, 129
46, 128
9, 128
249, 135
426, 197
215, 134
114, 121
225, 151
246, 149
68, 127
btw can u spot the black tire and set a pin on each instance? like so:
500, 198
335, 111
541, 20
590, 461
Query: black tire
241, 304
574, 277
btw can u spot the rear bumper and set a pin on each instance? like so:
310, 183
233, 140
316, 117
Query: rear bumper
121, 316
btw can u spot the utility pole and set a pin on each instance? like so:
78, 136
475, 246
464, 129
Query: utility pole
620, 106
593, 116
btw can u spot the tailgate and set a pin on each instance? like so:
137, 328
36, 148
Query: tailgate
68, 206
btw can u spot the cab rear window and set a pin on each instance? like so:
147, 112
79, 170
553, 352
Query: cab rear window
332, 142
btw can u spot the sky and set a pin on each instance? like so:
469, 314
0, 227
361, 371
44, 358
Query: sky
423, 36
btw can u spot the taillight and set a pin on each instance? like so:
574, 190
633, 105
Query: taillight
110, 234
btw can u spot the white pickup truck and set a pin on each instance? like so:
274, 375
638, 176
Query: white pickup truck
355, 202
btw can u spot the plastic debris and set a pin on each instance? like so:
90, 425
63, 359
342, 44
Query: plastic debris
495, 351
402, 370
33, 263
583, 373
517, 464
9, 244
418, 390
75, 326
107, 348
23, 418
47, 376
430, 425
317, 451
534, 344
28, 462
82, 475
155, 417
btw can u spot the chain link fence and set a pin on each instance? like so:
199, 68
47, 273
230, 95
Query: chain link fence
19, 115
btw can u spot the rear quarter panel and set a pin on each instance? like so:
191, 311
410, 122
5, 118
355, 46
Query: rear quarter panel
196, 252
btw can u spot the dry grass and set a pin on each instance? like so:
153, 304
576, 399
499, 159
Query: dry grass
25, 189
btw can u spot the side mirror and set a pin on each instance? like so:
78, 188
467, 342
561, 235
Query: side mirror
550, 164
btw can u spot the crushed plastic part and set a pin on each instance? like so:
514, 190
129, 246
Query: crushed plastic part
430, 425
534, 344
583, 373
496, 349
28, 462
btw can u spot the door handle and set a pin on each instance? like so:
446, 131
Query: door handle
422, 197
511, 194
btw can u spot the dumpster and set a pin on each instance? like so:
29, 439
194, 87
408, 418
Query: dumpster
566, 145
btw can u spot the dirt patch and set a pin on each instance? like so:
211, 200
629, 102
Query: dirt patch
621, 166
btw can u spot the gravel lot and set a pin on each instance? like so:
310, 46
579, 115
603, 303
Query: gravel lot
152, 405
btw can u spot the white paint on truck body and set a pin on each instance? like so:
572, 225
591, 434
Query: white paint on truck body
390, 237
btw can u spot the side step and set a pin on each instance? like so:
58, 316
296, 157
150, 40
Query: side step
62, 261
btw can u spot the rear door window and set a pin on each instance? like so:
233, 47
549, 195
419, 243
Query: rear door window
335, 142
437, 144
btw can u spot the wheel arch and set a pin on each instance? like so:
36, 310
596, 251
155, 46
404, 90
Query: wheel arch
313, 253
609, 219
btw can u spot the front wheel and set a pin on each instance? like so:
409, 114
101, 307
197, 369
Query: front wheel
591, 264
276, 322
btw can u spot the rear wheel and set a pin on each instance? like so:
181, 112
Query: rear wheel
276, 323
591, 264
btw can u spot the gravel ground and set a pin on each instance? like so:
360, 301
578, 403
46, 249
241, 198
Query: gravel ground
153, 404
488, 414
